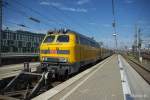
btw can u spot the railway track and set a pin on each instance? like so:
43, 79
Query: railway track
144, 72
19, 88
27, 85
22, 94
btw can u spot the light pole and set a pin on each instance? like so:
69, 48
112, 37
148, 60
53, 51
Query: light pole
139, 44
1, 4
115, 37
114, 25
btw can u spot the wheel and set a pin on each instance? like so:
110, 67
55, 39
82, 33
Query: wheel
66, 76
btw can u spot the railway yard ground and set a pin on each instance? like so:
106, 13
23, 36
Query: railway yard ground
114, 78
74, 50
13, 69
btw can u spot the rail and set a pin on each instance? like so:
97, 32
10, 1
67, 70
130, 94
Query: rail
145, 73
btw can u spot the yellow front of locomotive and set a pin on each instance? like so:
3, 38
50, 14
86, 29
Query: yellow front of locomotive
58, 48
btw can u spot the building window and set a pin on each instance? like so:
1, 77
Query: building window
4, 35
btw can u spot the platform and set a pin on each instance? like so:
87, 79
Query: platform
103, 83
111, 79
139, 89
14, 69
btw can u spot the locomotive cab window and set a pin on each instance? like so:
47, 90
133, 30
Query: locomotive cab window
49, 39
63, 38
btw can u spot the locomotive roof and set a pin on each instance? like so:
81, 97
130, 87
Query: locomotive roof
67, 31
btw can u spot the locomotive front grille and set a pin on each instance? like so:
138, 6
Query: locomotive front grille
47, 59
55, 60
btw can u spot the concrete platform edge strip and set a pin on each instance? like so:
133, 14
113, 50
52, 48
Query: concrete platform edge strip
125, 84
52, 92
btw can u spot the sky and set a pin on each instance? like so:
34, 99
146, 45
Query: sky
92, 18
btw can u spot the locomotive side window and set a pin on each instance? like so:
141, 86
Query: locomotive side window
49, 39
84, 41
77, 39
63, 38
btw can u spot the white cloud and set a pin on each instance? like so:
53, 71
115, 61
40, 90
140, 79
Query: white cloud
74, 9
4, 26
129, 1
44, 31
148, 26
93, 8
142, 22
81, 2
126, 26
63, 7
56, 4
44, 3
106, 25
92, 23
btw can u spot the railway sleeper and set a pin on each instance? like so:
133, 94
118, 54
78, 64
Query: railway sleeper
28, 89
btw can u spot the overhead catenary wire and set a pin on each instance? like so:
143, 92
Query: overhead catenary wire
68, 16
21, 25
24, 14
40, 14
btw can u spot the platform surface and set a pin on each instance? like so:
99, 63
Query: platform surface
103, 82
139, 88
14, 69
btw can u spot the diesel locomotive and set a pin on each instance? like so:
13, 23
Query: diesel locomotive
65, 51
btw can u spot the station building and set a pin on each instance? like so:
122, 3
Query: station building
20, 41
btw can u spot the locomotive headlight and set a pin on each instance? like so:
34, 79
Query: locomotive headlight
44, 58
63, 59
